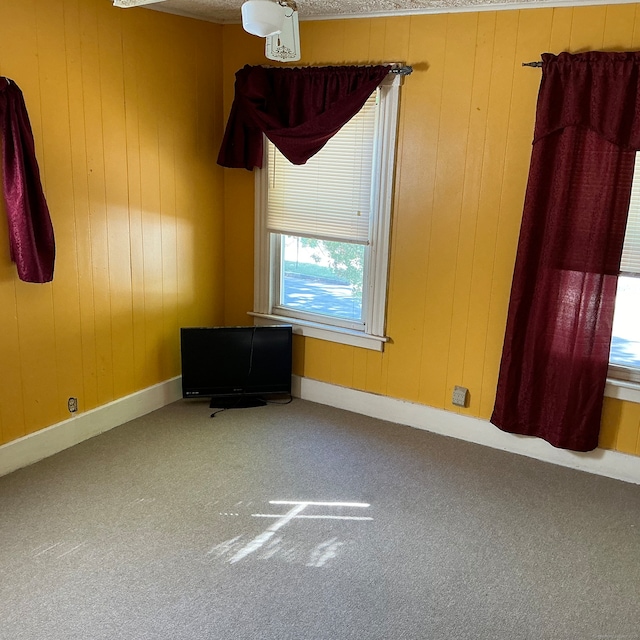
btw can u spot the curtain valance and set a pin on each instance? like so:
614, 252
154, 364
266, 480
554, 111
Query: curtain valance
596, 90
298, 109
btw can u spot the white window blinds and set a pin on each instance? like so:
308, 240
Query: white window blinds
631, 252
329, 197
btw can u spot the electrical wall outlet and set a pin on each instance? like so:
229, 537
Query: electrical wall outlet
72, 404
460, 396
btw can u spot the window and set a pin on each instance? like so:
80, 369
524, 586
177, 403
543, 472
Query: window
322, 230
625, 342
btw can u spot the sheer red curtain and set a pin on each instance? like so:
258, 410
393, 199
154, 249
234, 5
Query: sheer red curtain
298, 109
556, 349
31, 239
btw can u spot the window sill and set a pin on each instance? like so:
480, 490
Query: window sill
324, 332
622, 390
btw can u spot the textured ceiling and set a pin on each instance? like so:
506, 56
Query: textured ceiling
228, 11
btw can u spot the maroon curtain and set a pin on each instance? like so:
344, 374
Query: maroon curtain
31, 239
556, 350
298, 109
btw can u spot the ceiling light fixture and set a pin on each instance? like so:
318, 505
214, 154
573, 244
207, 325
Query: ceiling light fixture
262, 18
278, 23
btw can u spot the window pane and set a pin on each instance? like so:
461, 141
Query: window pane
625, 342
330, 195
322, 277
631, 252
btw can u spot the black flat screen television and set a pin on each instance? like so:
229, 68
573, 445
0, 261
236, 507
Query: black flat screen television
236, 366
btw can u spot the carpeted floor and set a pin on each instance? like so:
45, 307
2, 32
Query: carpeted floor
179, 526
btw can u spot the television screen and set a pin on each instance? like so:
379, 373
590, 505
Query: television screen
229, 364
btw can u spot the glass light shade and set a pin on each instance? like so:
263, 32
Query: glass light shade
262, 17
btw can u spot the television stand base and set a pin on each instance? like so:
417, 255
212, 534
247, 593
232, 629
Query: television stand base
236, 403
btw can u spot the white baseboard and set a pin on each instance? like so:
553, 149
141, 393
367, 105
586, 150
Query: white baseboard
601, 462
41, 444
46, 442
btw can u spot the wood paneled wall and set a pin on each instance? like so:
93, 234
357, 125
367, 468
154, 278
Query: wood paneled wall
466, 127
126, 108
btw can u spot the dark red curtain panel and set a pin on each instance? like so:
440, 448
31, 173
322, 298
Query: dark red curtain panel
298, 109
556, 350
31, 239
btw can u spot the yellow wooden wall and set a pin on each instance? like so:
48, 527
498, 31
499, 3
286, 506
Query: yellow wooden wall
465, 135
126, 109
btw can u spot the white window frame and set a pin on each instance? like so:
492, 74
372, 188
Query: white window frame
372, 334
623, 382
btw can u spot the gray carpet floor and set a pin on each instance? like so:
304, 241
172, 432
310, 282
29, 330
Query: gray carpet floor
181, 526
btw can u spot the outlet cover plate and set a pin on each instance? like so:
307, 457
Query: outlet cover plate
460, 396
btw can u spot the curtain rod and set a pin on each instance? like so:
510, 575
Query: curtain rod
537, 63
402, 71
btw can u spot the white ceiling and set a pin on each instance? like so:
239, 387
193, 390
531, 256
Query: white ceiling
228, 11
